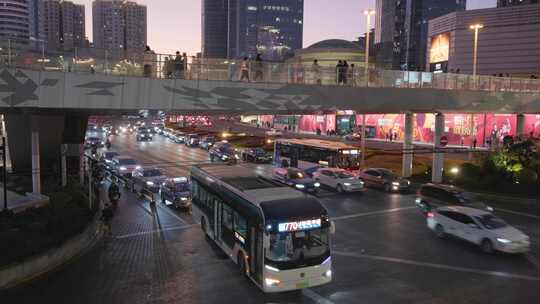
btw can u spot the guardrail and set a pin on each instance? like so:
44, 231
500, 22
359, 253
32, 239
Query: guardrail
165, 66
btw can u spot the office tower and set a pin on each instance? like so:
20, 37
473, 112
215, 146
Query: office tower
504, 3
245, 28
401, 30
120, 27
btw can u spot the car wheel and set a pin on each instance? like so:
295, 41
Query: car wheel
339, 188
439, 231
387, 188
487, 246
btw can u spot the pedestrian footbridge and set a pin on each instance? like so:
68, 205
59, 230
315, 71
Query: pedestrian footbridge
208, 91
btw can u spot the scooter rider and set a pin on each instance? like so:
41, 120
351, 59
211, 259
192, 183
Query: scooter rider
114, 192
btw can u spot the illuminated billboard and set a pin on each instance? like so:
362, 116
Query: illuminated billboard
440, 48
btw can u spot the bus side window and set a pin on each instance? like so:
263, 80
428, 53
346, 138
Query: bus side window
227, 217
240, 225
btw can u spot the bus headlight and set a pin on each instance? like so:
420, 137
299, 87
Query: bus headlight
271, 282
317, 184
271, 268
299, 186
328, 273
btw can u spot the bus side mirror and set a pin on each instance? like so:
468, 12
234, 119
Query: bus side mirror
332, 227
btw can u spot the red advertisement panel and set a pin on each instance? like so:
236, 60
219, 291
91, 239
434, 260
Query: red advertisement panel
310, 123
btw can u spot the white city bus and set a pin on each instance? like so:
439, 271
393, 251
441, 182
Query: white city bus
278, 236
308, 153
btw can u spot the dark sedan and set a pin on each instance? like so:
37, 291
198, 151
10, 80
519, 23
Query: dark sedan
256, 155
384, 179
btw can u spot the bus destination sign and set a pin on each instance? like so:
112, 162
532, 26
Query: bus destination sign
300, 225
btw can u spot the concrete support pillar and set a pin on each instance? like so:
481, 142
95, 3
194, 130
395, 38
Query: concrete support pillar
408, 146
81, 164
363, 138
36, 171
520, 126
438, 157
63, 164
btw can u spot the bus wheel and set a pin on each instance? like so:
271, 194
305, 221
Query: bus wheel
242, 264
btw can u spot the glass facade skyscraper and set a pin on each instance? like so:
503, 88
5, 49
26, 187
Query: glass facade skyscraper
504, 3
245, 28
401, 30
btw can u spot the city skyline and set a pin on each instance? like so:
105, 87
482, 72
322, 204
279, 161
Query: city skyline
177, 26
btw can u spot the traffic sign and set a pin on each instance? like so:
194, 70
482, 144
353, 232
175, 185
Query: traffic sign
443, 141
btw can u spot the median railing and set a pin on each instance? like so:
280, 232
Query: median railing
165, 66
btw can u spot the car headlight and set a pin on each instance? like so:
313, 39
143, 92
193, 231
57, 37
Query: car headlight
362, 182
327, 273
137, 167
102, 142
224, 157
236, 156
317, 184
123, 168
504, 241
149, 183
490, 209
395, 183
183, 198
271, 282
300, 186
347, 184
107, 161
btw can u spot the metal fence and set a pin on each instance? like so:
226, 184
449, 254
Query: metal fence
119, 63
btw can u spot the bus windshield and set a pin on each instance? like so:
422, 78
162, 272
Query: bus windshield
297, 246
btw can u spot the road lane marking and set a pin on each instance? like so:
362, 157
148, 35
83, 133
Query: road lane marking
344, 217
518, 213
440, 266
317, 298
129, 235
166, 209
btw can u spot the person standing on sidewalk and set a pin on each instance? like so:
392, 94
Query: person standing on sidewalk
244, 70
178, 65
258, 68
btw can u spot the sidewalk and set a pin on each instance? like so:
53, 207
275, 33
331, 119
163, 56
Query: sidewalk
17, 202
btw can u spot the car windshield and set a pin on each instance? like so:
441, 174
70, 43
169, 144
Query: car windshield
259, 152
296, 246
151, 173
127, 161
293, 174
94, 139
344, 174
181, 187
490, 221
388, 174
110, 155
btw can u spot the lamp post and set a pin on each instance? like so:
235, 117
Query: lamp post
368, 14
475, 28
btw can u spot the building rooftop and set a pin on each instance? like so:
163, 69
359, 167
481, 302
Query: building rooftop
334, 44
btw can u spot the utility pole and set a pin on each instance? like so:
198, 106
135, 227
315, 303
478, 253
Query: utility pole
4, 162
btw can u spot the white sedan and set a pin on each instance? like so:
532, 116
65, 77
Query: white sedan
338, 179
274, 132
478, 227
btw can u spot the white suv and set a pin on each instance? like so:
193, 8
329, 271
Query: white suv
479, 227
338, 179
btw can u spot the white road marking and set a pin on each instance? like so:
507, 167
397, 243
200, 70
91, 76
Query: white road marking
124, 236
344, 217
440, 266
518, 213
317, 298
166, 209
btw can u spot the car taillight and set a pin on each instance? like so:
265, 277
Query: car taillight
430, 214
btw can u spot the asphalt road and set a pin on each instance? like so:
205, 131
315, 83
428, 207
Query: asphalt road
382, 253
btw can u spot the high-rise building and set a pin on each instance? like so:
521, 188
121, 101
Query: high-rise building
245, 28
215, 28
119, 26
16, 18
63, 24
504, 3
401, 30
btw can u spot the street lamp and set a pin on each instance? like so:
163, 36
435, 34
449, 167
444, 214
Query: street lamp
475, 28
368, 14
